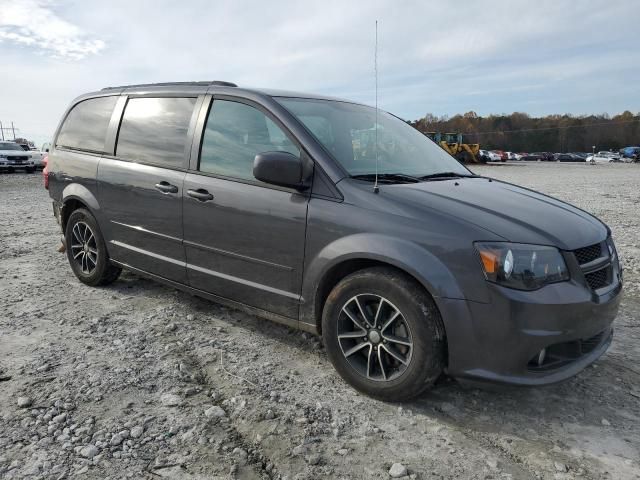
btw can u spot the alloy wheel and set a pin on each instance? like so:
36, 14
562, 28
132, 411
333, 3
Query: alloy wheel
84, 248
374, 337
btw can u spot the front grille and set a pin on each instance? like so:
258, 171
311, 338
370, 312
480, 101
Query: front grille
17, 157
595, 262
588, 254
598, 279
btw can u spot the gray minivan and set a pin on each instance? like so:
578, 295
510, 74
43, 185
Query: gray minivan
338, 219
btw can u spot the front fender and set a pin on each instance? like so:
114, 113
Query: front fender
402, 254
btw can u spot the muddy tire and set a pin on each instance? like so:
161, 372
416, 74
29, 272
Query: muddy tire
86, 250
383, 334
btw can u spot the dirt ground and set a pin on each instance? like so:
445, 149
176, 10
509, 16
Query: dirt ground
137, 380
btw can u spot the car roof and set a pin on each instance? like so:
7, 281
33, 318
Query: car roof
213, 86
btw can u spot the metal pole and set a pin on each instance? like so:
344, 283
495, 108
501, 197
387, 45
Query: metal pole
2, 130
14, 131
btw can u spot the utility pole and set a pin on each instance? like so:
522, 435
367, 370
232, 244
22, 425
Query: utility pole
13, 129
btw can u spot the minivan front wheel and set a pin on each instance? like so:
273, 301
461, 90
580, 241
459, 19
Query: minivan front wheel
86, 250
384, 334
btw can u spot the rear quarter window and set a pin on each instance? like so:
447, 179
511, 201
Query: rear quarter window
154, 130
86, 125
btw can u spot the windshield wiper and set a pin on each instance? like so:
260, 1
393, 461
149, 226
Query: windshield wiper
445, 175
388, 177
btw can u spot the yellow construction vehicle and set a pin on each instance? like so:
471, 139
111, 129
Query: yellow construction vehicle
452, 144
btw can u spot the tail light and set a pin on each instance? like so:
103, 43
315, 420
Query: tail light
45, 171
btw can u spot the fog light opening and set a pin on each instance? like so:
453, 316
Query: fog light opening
541, 356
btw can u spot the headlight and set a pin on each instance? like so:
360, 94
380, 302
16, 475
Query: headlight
521, 266
3, 156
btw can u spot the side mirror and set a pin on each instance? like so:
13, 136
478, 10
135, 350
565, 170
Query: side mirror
280, 168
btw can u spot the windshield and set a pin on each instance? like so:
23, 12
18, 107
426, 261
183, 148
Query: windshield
348, 132
10, 146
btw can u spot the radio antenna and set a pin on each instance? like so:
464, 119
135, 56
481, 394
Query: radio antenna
376, 189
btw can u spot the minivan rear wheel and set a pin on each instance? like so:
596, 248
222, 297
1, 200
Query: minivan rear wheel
383, 334
86, 250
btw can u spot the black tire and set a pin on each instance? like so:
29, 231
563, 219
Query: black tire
420, 321
99, 270
465, 157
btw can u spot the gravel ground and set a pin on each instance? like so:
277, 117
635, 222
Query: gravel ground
137, 380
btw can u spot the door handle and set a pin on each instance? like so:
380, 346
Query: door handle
200, 194
166, 187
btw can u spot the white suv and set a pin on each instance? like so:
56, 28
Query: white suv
13, 157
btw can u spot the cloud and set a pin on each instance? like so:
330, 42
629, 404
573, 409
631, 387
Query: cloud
547, 56
33, 23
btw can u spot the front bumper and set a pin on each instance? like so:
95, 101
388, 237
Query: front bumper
501, 341
5, 166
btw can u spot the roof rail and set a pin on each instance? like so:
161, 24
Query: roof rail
207, 83
222, 83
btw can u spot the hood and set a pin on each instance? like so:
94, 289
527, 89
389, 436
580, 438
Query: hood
514, 213
15, 153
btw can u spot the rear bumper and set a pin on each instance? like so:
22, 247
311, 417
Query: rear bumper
501, 342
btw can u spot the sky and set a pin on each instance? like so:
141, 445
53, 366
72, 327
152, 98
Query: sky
441, 57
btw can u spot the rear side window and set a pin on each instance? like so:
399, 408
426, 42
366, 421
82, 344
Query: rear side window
234, 135
154, 130
86, 125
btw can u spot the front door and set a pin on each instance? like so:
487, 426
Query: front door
244, 240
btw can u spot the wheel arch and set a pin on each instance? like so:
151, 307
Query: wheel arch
76, 196
350, 254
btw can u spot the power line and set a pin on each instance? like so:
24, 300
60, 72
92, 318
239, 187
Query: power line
13, 129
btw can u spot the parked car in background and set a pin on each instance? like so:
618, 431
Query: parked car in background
546, 156
603, 157
532, 157
630, 152
36, 155
580, 156
491, 156
499, 155
513, 156
612, 155
14, 157
277, 203
495, 157
564, 157
483, 156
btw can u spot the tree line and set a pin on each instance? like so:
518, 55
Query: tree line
520, 132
